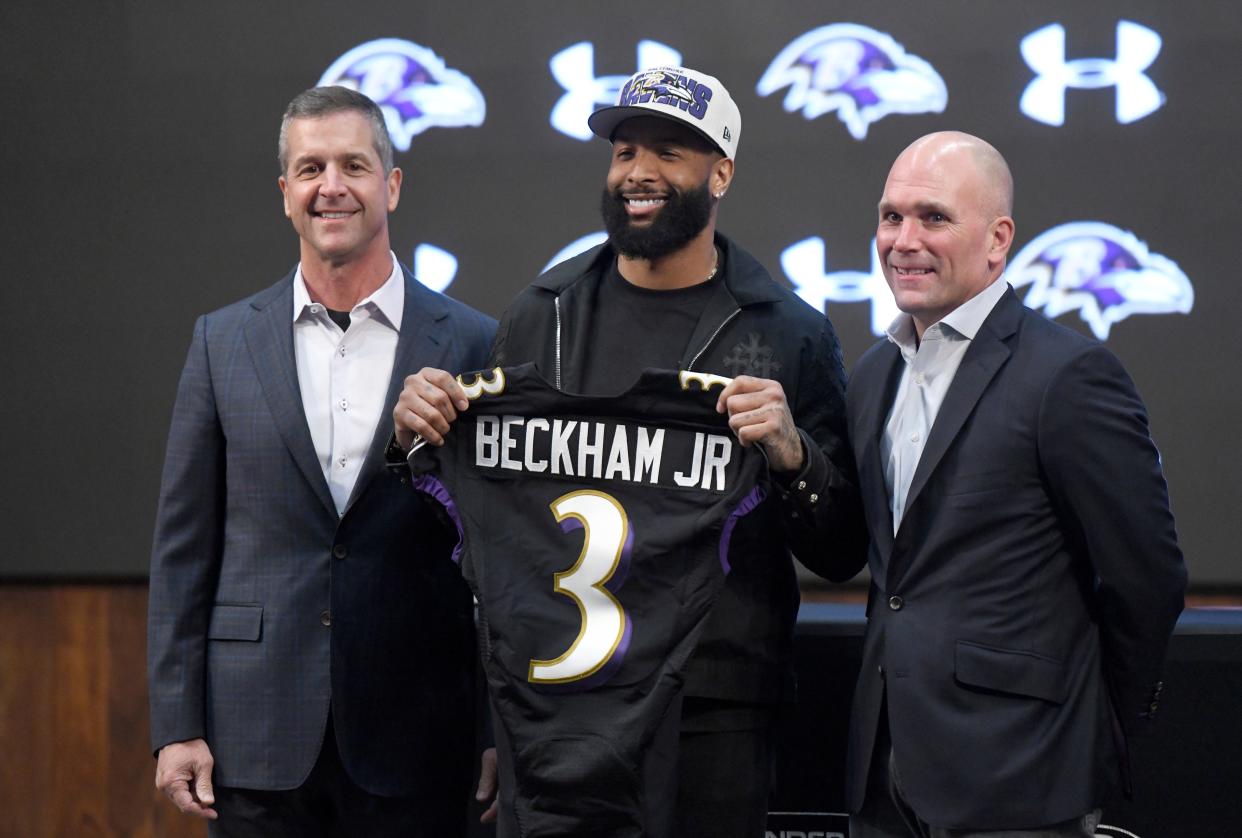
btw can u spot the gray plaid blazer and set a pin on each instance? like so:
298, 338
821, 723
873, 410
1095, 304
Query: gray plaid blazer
267, 612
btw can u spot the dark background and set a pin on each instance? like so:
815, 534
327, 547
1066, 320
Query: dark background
139, 145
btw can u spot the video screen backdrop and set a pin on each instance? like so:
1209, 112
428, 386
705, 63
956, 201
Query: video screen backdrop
141, 166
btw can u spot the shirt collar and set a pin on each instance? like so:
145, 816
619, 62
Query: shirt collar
901, 333
965, 320
388, 300
968, 318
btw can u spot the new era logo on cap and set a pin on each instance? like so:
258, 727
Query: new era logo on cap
687, 96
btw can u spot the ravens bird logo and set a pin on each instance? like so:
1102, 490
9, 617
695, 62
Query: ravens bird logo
862, 74
412, 86
663, 84
1104, 272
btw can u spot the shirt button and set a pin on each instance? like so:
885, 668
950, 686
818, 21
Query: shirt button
341, 462
344, 404
801, 485
919, 378
342, 350
325, 618
340, 551
895, 603
814, 497
914, 438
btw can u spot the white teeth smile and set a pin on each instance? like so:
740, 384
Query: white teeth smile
913, 271
645, 202
335, 214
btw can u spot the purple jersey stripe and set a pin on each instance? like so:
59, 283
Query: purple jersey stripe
748, 503
430, 485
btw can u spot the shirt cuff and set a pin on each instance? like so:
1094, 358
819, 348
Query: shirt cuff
802, 493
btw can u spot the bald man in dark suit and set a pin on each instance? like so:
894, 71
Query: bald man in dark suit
1025, 570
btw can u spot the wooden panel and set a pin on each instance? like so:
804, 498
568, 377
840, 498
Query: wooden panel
73, 716
26, 668
74, 757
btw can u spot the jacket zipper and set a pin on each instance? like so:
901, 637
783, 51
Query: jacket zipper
556, 303
694, 360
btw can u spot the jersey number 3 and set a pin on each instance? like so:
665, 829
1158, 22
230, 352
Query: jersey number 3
604, 623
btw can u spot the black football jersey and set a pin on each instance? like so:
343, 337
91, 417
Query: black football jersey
594, 532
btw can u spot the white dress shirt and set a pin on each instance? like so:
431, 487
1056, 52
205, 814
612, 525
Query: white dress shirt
344, 375
931, 365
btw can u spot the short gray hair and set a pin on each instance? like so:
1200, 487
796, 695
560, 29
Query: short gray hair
324, 101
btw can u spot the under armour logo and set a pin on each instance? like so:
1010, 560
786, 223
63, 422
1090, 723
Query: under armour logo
574, 70
804, 263
1137, 95
434, 266
579, 245
751, 357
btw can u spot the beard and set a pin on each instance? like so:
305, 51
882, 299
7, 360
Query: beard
683, 216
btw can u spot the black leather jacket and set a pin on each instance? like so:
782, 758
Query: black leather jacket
750, 326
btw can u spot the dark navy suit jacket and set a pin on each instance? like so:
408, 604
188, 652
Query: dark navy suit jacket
1019, 617
266, 609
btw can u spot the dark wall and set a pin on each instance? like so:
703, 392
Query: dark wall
141, 192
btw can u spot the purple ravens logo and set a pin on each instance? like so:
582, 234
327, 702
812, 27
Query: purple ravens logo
412, 86
862, 74
661, 83
1104, 272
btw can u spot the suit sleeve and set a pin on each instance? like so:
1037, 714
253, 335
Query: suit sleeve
479, 333
821, 505
186, 554
1105, 477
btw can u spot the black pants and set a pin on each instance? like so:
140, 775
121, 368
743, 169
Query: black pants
330, 805
711, 780
724, 771
656, 775
887, 814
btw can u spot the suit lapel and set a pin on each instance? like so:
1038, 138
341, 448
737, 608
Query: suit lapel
423, 342
269, 337
987, 353
873, 411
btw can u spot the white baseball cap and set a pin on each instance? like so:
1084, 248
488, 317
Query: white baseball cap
686, 96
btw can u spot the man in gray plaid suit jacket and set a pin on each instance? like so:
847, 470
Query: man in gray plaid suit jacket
310, 640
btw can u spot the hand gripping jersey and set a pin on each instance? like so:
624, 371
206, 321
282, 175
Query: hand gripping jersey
594, 532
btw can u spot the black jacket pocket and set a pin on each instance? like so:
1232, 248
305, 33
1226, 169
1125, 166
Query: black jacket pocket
1010, 671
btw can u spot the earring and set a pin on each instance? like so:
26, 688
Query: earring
719, 195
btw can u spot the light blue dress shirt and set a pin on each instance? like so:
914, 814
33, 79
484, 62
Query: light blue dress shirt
930, 367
